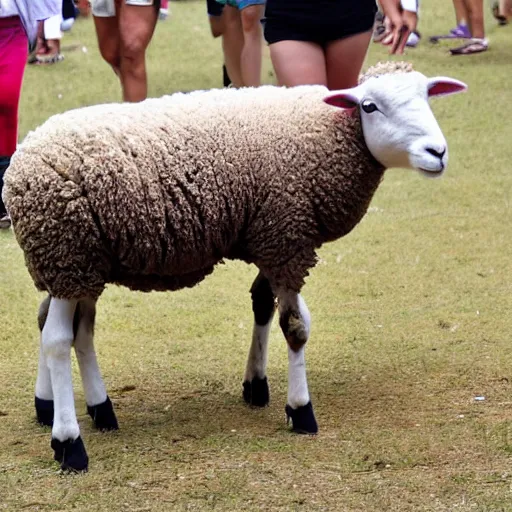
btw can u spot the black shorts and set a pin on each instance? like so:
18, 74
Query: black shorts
214, 8
317, 21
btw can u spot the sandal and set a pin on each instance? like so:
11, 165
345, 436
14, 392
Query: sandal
47, 59
474, 46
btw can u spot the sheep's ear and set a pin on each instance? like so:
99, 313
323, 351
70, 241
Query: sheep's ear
347, 99
443, 86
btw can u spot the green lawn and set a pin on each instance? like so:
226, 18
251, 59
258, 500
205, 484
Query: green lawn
411, 322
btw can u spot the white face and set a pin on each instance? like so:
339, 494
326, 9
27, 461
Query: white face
399, 127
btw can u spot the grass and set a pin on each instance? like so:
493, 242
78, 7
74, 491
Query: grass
411, 321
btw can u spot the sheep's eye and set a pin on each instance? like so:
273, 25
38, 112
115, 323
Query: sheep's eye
369, 106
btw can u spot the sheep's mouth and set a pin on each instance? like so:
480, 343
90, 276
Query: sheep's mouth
431, 173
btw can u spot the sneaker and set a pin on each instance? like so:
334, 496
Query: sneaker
413, 39
5, 222
163, 14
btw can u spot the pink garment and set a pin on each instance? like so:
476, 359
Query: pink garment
13, 57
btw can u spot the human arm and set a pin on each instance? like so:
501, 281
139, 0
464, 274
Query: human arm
401, 20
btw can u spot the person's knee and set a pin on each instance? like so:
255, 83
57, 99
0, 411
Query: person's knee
251, 18
133, 49
111, 56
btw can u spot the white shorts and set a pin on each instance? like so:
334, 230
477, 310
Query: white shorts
107, 8
52, 27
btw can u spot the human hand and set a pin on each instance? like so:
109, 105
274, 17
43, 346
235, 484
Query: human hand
401, 24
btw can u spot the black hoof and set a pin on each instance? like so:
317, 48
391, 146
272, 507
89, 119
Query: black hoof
256, 392
303, 419
71, 454
44, 411
103, 415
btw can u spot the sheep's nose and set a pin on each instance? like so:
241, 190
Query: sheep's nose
434, 152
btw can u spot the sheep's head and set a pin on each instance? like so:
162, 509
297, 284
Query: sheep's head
399, 127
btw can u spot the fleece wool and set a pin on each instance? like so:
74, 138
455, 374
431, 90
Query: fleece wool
153, 195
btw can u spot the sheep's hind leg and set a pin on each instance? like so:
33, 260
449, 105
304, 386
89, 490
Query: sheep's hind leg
255, 384
57, 338
99, 405
295, 320
43, 392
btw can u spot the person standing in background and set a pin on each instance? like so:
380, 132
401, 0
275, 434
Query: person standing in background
48, 42
469, 15
124, 29
47, 49
325, 42
227, 24
18, 29
249, 13
475, 19
461, 31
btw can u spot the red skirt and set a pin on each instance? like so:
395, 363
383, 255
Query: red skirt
13, 57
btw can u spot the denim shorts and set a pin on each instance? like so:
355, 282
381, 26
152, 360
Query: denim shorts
242, 4
107, 8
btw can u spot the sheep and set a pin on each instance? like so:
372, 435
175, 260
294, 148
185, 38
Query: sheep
153, 195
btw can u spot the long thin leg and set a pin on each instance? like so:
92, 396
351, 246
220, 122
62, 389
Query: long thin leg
263, 305
99, 405
295, 322
57, 338
44, 393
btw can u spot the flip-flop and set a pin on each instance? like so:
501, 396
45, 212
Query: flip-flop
470, 48
43, 60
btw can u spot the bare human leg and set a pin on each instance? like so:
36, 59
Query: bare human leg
475, 9
107, 32
298, 63
253, 40
232, 44
136, 26
344, 59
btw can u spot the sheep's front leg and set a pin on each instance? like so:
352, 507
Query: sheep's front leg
295, 320
99, 405
57, 338
263, 305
